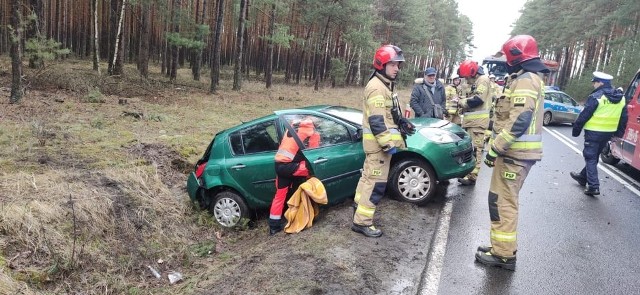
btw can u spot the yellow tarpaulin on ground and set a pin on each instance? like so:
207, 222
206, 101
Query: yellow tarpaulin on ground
303, 205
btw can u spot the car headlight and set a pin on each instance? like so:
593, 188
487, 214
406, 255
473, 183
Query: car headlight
439, 136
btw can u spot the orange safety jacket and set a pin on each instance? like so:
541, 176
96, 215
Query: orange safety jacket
289, 147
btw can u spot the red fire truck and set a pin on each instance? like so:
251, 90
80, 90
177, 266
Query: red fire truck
498, 67
626, 148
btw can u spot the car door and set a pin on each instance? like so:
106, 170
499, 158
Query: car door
338, 158
251, 165
573, 108
560, 110
629, 152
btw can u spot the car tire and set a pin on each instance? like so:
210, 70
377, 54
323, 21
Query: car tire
607, 157
229, 209
413, 181
546, 119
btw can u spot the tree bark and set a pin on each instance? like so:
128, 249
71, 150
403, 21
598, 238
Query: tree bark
268, 74
318, 56
215, 60
117, 60
96, 43
237, 69
16, 53
143, 55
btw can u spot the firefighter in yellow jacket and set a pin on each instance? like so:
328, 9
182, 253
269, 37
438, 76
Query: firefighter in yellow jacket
383, 128
453, 93
515, 147
476, 112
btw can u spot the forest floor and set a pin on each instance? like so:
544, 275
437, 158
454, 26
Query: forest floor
93, 192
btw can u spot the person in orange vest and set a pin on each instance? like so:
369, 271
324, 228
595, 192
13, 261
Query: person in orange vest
291, 169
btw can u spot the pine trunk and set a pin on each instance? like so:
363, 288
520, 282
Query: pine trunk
215, 60
237, 69
16, 53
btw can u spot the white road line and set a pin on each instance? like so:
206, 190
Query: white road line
430, 280
431, 277
608, 169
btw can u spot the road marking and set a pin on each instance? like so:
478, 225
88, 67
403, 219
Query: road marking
618, 175
431, 276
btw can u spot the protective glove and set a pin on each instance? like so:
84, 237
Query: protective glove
490, 159
392, 150
406, 127
576, 132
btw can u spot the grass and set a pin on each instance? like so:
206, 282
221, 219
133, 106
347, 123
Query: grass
91, 194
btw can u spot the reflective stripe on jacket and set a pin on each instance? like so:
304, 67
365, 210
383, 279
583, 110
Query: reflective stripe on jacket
606, 116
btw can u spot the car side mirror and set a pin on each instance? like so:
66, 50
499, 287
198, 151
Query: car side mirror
358, 134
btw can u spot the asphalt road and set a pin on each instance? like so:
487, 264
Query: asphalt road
568, 242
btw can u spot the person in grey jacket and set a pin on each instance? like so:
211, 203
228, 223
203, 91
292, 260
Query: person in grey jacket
420, 102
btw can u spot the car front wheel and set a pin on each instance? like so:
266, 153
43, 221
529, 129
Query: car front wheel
229, 208
413, 181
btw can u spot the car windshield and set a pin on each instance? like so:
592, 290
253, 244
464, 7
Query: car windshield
348, 114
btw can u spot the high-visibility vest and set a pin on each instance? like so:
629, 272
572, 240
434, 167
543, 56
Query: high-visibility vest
606, 116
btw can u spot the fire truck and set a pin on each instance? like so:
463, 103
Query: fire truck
626, 148
498, 67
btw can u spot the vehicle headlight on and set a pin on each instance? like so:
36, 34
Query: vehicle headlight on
439, 136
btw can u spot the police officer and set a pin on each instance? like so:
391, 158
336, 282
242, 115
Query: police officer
604, 115
291, 169
514, 148
476, 112
382, 126
453, 92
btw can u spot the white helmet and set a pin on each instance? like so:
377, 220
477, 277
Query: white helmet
454, 76
492, 76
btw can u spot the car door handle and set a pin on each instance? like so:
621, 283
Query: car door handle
239, 166
320, 160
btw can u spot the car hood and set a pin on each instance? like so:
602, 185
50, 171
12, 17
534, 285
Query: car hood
429, 123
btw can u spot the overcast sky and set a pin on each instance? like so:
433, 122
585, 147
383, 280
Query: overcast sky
492, 20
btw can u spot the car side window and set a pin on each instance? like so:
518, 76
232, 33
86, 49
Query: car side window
547, 96
330, 132
566, 99
258, 138
556, 98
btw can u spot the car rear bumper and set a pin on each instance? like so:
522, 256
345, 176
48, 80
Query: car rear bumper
193, 184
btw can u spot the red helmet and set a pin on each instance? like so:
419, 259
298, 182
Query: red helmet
385, 54
468, 69
520, 48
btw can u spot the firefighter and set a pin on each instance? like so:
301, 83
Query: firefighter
497, 92
604, 115
453, 92
515, 147
476, 112
291, 169
383, 131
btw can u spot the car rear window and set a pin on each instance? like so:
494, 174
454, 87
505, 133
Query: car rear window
257, 138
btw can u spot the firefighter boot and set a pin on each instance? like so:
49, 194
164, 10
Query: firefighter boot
275, 226
489, 259
582, 181
369, 231
467, 180
484, 248
592, 191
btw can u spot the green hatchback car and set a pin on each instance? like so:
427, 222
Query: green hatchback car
236, 174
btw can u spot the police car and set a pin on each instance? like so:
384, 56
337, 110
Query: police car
559, 107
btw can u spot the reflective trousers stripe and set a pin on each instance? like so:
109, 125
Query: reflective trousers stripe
503, 236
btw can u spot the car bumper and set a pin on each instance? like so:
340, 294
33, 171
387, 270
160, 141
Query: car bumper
193, 184
459, 162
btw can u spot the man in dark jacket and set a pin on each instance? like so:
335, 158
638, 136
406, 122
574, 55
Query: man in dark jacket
603, 116
428, 97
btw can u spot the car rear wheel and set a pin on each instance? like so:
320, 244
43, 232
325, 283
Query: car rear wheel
413, 181
546, 120
229, 208
607, 157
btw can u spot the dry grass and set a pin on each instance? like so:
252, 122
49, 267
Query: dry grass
90, 195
